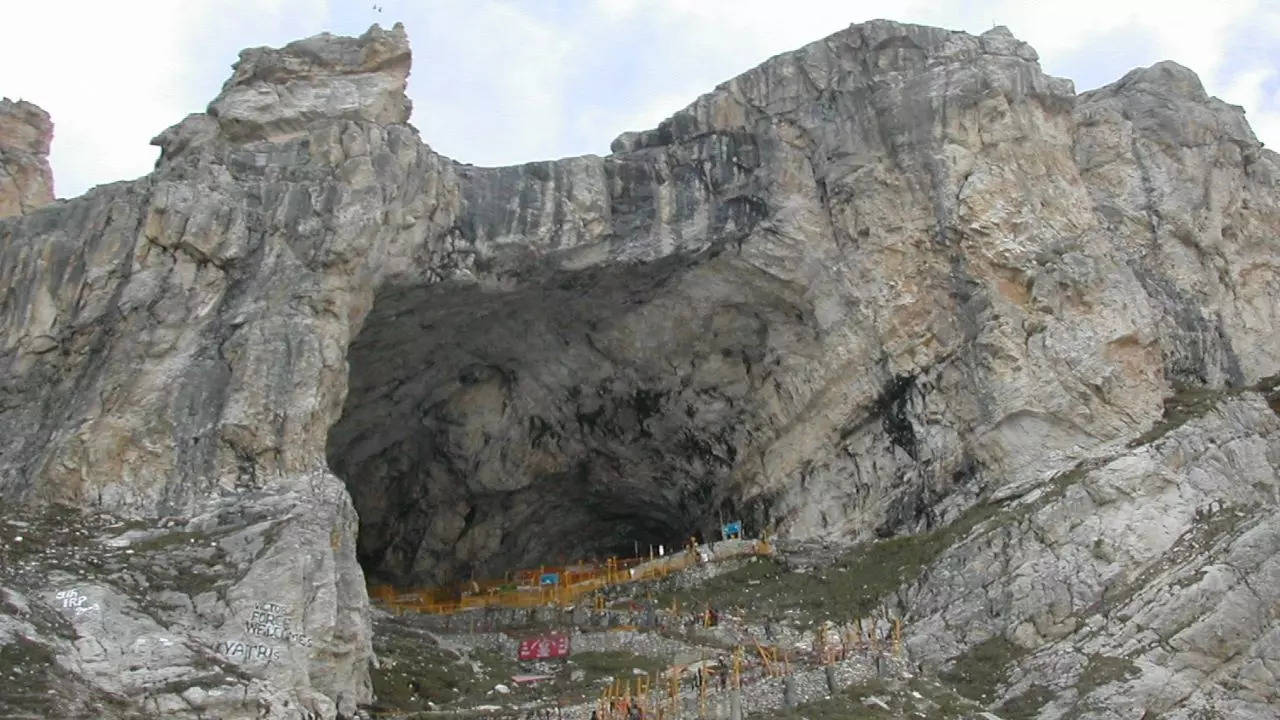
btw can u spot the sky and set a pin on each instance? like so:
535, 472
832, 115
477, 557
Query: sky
500, 82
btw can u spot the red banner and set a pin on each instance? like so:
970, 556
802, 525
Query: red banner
541, 647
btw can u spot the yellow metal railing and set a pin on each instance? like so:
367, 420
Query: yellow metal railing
522, 589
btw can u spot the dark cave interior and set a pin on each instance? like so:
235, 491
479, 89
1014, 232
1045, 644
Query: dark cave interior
581, 416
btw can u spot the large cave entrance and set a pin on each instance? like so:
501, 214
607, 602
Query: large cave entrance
580, 416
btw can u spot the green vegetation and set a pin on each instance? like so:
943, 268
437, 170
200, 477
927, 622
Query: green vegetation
1099, 550
160, 540
1027, 705
947, 703
604, 665
848, 704
915, 699
853, 587
978, 673
739, 588
837, 708
36, 686
1103, 669
1188, 403
22, 661
1204, 533
414, 673
407, 678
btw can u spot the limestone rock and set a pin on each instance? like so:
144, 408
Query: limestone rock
244, 610
273, 94
26, 181
895, 274
1141, 581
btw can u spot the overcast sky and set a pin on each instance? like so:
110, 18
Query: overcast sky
498, 82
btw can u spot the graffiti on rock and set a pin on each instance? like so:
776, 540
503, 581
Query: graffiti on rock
274, 621
75, 602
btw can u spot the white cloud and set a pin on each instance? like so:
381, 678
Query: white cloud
606, 123
1066, 33
488, 76
114, 74
97, 78
1250, 90
506, 81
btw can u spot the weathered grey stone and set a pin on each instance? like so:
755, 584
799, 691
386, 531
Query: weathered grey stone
1159, 561
26, 181
845, 295
874, 282
274, 94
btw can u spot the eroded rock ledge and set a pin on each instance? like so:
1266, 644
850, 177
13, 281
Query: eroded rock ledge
846, 294
26, 181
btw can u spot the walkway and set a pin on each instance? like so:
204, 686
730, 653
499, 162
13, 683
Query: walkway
560, 585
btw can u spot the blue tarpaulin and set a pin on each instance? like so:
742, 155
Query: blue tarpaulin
549, 579
731, 529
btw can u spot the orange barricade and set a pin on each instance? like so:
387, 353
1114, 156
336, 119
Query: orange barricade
523, 588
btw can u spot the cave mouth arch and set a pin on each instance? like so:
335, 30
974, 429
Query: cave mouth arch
571, 418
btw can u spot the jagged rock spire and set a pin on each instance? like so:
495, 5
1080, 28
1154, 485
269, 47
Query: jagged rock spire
274, 93
26, 181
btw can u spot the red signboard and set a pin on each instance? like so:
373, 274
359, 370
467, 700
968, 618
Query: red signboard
541, 647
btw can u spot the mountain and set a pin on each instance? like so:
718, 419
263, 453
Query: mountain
898, 285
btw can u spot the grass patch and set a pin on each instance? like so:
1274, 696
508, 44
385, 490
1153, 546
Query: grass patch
1188, 403
1027, 705
1203, 534
414, 673
852, 587
410, 678
161, 539
917, 699
946, 702
740, 588
36, 686
836, 708
847, 704
598, 670
1103, 669
1185, 404
978, 673
602, 665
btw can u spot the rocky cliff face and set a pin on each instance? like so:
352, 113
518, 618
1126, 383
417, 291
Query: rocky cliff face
1141, 581
869, 285
26, 181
